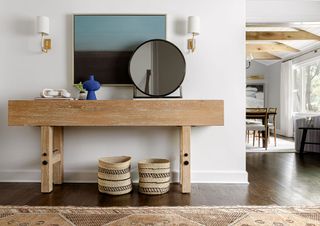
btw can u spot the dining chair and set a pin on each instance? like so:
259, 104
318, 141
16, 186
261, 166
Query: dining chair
272, 124
256, 129
259, 124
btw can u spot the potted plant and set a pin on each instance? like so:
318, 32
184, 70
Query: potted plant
82, 91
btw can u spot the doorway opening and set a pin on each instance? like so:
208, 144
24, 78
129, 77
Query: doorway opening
282, 86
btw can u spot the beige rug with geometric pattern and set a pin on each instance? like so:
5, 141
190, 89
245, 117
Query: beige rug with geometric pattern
160, 216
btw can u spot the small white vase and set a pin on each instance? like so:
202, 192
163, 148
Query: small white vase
82, 96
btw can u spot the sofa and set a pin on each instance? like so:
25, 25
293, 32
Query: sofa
312, 135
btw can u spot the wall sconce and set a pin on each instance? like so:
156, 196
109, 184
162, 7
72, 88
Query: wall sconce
249, 59
43, 29
194, 29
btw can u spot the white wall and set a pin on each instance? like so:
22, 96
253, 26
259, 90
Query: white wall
256, 68
218, 153
273, 74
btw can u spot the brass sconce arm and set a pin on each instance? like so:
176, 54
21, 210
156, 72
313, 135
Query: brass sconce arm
45, 43
192, 43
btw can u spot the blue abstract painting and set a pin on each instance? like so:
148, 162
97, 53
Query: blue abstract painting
103, 44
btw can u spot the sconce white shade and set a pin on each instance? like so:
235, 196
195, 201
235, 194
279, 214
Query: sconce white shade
194, 25
43, 25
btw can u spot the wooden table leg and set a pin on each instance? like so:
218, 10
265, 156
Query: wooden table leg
180, 174
46, 159
303, 140
185, 135
58, 155
265, 133
266, 138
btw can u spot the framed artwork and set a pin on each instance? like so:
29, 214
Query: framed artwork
255, 95
103, 44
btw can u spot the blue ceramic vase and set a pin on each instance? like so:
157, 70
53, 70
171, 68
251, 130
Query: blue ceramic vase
91, 86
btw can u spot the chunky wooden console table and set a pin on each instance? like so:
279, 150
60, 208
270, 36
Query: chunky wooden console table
53, 115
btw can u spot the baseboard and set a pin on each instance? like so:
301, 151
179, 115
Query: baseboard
19, 175
91, 177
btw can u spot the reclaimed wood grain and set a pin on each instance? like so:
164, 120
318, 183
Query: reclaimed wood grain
115, 113
58, 170
280, 35
46, 159
185, 170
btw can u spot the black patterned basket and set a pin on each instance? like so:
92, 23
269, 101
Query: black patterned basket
114, 176
154, 176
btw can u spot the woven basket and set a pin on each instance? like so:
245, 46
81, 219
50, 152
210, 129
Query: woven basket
154, 176
114, 175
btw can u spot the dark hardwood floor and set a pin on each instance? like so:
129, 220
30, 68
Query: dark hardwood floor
275, 179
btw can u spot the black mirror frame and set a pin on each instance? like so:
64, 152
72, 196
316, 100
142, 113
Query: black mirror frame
184, 69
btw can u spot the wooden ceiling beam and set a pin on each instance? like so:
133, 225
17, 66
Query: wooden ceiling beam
274, 47
280, 35
263, 56
289, 24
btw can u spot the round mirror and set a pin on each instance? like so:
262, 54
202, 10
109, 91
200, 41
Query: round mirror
157, 68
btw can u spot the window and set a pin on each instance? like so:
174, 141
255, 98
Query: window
306, 86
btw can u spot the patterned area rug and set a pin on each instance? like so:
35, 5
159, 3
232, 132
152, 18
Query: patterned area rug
179, 216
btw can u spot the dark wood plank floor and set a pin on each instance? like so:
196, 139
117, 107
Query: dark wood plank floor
275, 179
